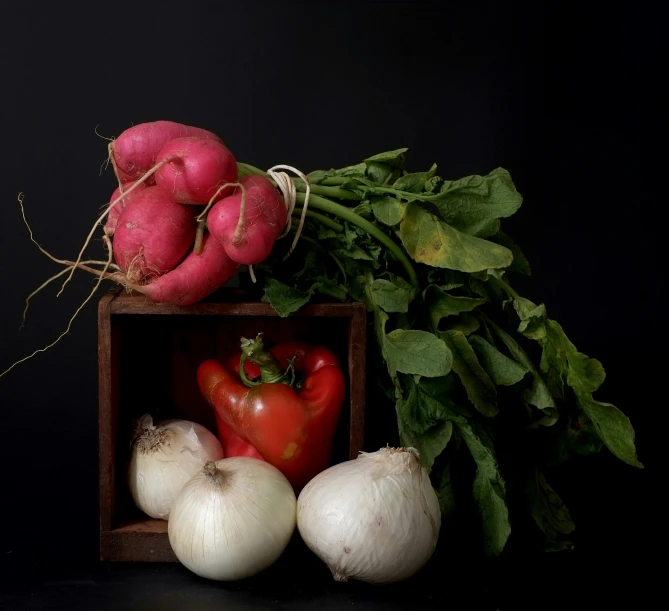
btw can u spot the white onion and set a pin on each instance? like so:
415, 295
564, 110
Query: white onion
375, 518
164, 457
233, 519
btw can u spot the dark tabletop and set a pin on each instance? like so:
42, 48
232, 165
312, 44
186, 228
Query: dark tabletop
300, 581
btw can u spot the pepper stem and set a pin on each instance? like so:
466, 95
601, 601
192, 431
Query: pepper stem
270, 368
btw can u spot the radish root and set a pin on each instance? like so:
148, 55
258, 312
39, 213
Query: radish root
289, 193
81, 265
99, 135
112, 160
69, 324
285, 183
101, 218
202, 217
105, 163
55, 277
134, 273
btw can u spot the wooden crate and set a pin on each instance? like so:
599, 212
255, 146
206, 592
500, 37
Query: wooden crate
148, 355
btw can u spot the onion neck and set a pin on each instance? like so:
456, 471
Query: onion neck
339, 576
151, 440
214, 474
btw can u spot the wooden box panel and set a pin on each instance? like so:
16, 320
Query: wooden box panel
148, 355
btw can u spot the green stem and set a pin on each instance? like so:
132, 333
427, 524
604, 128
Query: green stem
504, 286
242, 374
346, 214
317, 245
326, 191
321, 218
247, 169
334, 181
270, 369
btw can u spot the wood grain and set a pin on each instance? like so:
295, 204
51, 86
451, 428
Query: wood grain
357, 350
139, 304
139, 541
105, 437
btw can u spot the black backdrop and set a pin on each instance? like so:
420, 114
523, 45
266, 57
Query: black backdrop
562, 101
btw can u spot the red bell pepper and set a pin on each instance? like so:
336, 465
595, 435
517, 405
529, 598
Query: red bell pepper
290, 423
233, 444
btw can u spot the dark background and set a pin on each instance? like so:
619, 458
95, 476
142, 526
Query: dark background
564, 101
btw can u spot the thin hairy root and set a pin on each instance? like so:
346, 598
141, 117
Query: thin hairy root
103, 166
50, 280
134, 271
252, 274
69, 324
105, 163
101, 218
287, 187
111, 265
30, 232
47, 253
110, 159
37, 290
110, 251
202, 217
99, 135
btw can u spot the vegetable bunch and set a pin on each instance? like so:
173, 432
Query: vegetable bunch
180, 223
475, 370
477, 373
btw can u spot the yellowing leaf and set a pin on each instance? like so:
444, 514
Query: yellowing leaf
429, 240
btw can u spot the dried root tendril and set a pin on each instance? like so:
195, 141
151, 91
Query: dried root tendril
55, 277
101, 218
101, 275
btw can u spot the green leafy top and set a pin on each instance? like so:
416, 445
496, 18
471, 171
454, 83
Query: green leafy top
474, 368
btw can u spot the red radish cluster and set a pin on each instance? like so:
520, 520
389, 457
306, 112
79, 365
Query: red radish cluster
198, 276
265, 214
153, 234
136, 150
198, 168
167, 173
115, 212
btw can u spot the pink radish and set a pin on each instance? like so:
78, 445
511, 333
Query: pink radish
135, 151
264, 220
198, 167
115, 212
195, 278
153, 234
